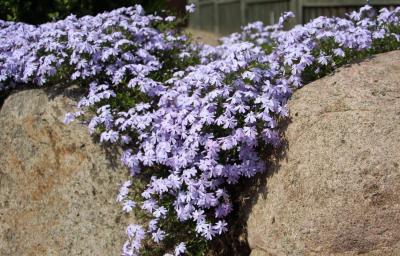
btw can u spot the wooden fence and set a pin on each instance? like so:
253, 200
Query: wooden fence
226, 16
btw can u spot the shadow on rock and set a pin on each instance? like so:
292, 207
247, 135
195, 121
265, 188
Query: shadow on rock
244, 195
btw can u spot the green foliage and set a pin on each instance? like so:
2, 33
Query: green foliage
40, 11
386, 44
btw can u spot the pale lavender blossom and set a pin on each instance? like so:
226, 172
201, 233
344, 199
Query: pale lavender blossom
128, 206
158, 235
170, 18
180, 249
190, 8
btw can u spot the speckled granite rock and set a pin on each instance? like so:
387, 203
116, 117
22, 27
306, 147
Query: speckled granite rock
336, 190
57, 187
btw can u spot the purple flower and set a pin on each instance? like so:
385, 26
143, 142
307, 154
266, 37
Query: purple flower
220, 227
128, 206
158, 236
160, 212
180, 249
170, 18
190, 8
124, 190
69, 117
339, 52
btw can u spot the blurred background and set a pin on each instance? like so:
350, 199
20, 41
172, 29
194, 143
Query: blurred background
40, 11
219, 17
226, 16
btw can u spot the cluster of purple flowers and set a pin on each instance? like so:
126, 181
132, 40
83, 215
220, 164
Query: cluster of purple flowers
213, 118
325, 42
196, 118
103, 51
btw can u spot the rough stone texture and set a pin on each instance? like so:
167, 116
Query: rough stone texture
57, 187
335, 190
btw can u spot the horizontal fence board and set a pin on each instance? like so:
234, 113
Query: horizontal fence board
206, 1
227, 1
263, 1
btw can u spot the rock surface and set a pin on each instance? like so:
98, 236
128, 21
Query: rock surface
57, 187
336, 190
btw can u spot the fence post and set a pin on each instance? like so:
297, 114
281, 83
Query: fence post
300, 12
243, 18
216, 17
194, 18
293, 8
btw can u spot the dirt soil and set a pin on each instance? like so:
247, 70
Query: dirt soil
204, 36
